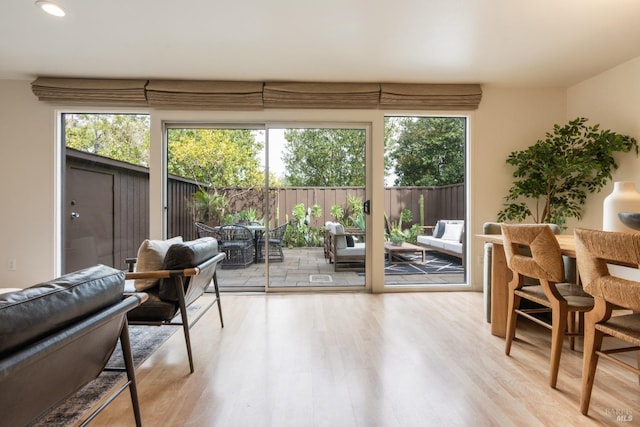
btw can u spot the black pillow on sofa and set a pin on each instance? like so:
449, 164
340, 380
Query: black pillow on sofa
350, 242
439, 230
185, 255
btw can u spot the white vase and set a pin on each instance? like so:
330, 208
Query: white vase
624, 198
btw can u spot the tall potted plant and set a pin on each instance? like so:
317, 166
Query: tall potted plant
554, 176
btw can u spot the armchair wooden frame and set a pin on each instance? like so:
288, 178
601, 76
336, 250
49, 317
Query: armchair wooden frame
181, 276
342, 262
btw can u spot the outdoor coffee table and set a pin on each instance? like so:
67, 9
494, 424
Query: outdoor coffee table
394, 250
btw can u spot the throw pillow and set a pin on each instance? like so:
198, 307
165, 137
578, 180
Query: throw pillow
350, 242
150, 258
452, 231
439, 230
341, 240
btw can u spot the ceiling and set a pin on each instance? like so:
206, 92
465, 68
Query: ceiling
512, 43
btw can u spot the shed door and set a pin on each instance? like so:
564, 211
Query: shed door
88, 219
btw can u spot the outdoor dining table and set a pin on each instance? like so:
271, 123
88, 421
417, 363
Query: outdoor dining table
501, 276
258, 231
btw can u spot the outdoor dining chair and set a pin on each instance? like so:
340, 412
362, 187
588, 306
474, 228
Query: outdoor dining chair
237, 242
274, 245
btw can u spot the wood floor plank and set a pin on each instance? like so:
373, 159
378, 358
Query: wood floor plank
357, 359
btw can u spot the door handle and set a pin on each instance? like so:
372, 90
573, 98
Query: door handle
75, 215
366, 207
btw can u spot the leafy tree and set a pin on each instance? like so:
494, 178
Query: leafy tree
324, 157
122, 137
555, 175
219, 157
427, 151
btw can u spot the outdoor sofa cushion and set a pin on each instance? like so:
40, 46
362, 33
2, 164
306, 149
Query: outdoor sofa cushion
451, 237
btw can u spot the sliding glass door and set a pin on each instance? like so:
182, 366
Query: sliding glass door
267, 192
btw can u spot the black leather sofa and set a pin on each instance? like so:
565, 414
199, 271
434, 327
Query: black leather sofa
57, 336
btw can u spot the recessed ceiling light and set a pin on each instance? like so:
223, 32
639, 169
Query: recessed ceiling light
50, 7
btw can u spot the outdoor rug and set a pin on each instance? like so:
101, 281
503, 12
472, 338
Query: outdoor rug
144, 341
437, 263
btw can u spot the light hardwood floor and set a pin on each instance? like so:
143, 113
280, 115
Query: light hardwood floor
356, 359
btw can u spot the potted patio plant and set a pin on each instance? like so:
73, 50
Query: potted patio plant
396, 235
554, 176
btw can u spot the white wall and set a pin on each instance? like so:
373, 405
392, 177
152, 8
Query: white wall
611, 99
508, 119
26, 186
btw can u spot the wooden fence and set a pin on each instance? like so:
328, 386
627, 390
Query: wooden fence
446, 202
439, 202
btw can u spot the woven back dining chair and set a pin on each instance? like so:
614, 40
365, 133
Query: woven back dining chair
595, 250
532, 250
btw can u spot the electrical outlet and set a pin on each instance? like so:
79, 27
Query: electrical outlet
12, 265
480, 260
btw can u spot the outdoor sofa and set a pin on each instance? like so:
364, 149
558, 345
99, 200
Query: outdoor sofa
447, 237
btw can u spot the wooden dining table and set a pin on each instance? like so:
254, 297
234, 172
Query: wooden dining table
501, 275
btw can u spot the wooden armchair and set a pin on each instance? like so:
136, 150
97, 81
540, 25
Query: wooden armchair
594, 251
187, 271
342, 248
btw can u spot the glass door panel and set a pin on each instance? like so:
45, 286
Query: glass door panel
281, 184
425, 241
215, 179
316, 224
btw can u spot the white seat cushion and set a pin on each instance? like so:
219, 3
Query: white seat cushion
356, 250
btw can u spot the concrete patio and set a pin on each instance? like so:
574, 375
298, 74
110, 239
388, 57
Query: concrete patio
307, 267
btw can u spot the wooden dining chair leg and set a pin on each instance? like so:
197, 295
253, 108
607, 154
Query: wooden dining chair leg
512, 317
592, 343
571, 329
638, 358
558, 326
